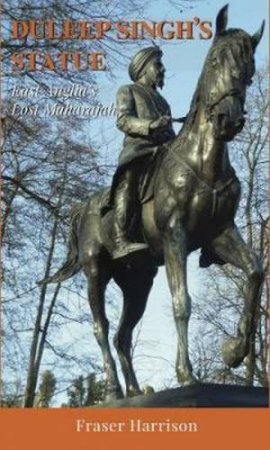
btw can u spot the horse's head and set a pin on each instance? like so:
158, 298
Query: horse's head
229, 70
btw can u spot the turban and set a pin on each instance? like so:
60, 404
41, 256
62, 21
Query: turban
141, 58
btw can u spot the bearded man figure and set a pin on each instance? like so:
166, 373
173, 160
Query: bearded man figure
145, 118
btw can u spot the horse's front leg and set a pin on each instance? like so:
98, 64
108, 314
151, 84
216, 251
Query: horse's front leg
175, 255
232, 249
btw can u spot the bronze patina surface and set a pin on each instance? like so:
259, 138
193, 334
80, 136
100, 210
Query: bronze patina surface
195, 199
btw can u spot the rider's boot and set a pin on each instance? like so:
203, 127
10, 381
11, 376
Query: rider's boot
122, 217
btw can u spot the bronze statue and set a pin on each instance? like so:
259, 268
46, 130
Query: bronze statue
191, 205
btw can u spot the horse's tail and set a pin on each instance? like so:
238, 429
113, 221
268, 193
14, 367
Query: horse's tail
71, 265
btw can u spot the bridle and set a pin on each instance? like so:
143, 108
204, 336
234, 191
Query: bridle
210, 106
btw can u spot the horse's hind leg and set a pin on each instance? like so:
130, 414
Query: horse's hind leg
98, 275
232, 249
135, 285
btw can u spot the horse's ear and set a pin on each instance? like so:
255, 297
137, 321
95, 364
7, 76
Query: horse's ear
222, 20
255, 39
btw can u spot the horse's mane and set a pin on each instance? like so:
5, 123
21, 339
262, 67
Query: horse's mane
233, 43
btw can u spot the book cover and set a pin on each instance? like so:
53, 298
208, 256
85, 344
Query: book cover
86, 87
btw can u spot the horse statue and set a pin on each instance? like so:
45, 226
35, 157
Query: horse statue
194, 202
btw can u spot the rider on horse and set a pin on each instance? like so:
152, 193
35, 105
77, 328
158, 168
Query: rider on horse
145, 118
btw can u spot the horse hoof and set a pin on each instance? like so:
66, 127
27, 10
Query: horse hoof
132, 392
114, 394
234, 350
191, 381
187, 379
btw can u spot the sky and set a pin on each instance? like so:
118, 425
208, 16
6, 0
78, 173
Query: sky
155, 359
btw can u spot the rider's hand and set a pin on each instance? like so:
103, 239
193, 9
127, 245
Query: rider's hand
161, 122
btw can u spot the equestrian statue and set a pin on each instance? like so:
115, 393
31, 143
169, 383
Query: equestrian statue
170, 196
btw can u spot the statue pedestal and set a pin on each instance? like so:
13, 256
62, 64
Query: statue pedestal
201, 395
